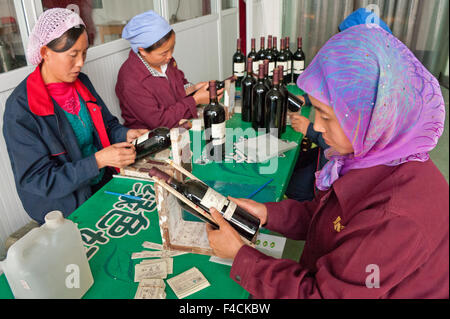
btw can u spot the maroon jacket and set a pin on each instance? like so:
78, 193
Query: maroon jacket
393, 217
149, 102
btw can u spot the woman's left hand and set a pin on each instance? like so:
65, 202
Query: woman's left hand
224, 241
299, 123
133, 134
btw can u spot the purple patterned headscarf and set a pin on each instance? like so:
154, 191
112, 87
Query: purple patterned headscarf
390, 107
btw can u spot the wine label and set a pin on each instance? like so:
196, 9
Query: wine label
218, 130
285, 67
271, 67
141, 139
230, 210
214, 199
289, 63
239, 69
256, 67
299, 67
218, 141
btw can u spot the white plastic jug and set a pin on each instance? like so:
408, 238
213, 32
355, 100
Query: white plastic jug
49, 262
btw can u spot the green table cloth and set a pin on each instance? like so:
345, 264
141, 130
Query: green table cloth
113, 228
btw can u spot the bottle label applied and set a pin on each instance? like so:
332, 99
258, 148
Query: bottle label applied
271, 67
255, 67
218, 133
218, 201
213, 199
285, 67
239, 69
230, 210
299, 67
141, 139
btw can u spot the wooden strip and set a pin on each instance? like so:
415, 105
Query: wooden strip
184, 199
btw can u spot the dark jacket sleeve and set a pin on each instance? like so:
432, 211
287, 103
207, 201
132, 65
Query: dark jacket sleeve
117, 133
34, 155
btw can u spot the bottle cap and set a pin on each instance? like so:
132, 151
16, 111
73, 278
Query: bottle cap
212, 89
54, 219
249, 65
261, 72
276, 73
154, 172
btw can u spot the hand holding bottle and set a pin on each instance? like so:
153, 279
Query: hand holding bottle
134, 134
299, 123
202, 95
224, 241
256, 209
117, 155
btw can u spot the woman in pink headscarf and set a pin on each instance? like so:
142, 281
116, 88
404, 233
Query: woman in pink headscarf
379, 228
62, 141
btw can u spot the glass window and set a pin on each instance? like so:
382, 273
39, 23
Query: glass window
182, 10
104, 19
228, 4
12, 54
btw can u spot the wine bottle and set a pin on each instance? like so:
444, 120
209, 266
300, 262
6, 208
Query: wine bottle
294, 103
219, 85
254, 57
259, 101
247, 86
299, 60
238, 64
284, 92
214, 119
274, 107
205, 197
261, 55
275, 51
267, 80
290, 56
152, 142
283, 59
271, 57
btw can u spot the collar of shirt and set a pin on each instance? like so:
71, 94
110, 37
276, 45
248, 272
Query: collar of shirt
152, 71
353, 189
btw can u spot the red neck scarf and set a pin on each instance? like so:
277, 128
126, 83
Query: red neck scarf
65, 95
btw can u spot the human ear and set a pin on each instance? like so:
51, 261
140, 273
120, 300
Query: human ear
142, 52
45, 52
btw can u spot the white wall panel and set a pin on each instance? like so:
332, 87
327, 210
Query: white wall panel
230, 33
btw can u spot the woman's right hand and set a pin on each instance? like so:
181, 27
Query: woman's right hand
256, 209
117, 155
202, 95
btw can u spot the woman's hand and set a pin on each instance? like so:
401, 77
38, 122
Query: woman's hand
202, 95
134, 134
117, 155
256, 209
299, 123
225, 241
199, 85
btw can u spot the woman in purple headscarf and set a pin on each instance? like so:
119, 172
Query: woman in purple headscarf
379, 226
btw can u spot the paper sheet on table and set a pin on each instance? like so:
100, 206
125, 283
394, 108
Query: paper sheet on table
264, 147
267, 244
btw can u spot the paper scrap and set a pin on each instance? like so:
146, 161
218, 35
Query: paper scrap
188, 282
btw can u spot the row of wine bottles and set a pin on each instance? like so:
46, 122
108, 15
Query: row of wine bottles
293, 63
264, 102
214, 118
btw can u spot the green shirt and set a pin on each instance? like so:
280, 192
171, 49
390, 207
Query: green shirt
83, 129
